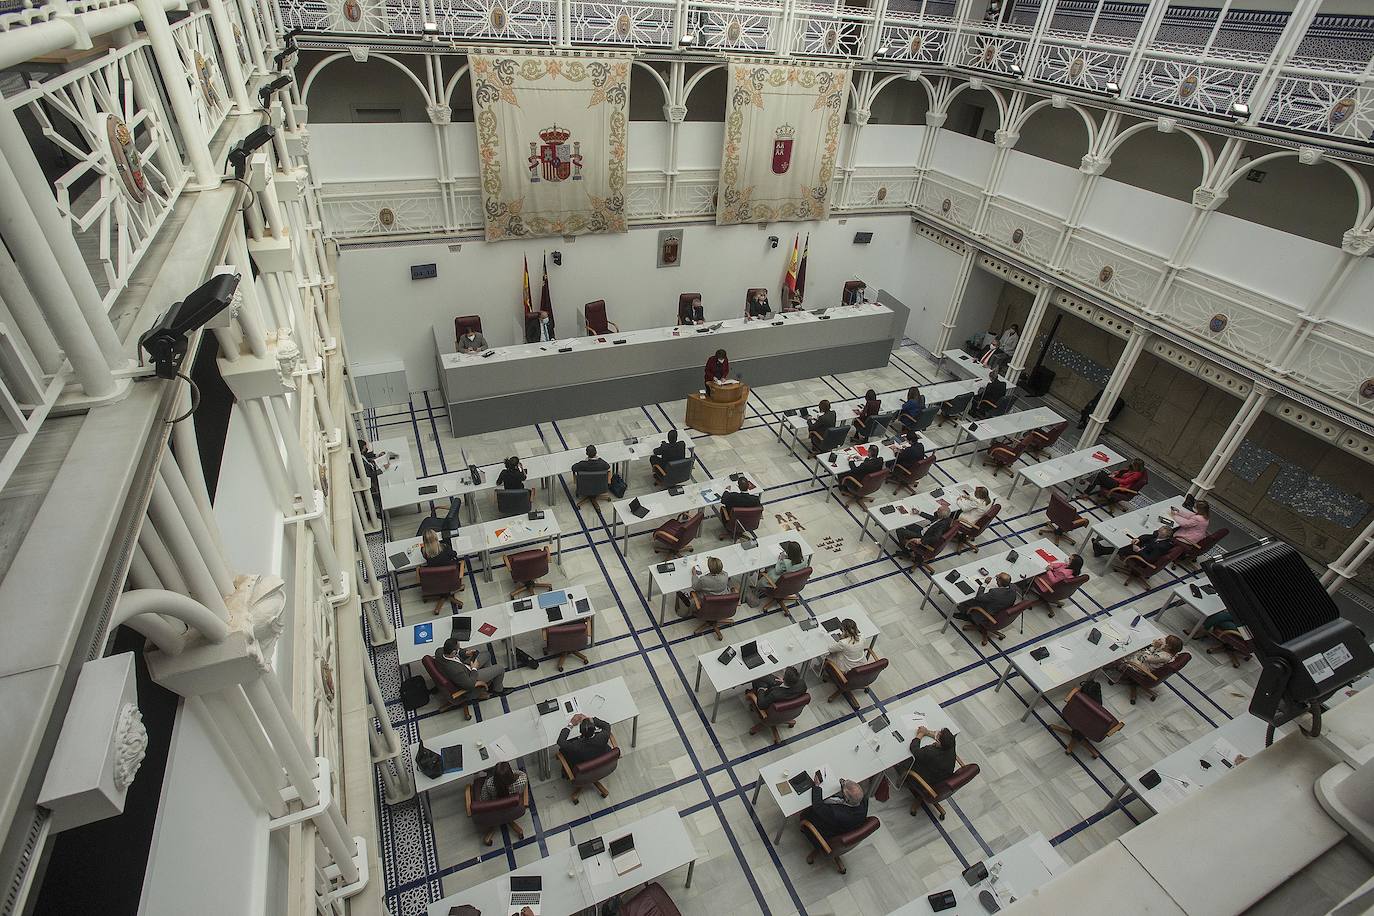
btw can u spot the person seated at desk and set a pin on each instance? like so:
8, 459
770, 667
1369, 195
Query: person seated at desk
592, 463
503, 781
913, 536
713, 581
1006, 346
978, 344
993, 600
472, 341
975, 503
853, 478
1130, 477
717, 368
871, 407
821, 421
934, 762
593, 739
740, 498
1191, 526
461, 667
790, 559
1156, 655
440, 553
766, 691
837, 814
992, 392
910, 454
756, 306
691, 312
1148, 547
512, 477
1057, 571
847, 650
913, 405
670, 449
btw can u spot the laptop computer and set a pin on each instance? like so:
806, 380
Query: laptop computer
623, 855
749, 652
525, 892
462, 628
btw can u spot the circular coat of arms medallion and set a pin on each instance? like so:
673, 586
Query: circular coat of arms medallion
128, 163
946, 205
353, 10
1367, 388
623, 25
387, 217
1187, 86
1217, 323
1341, 111
1017, 235
1106, 273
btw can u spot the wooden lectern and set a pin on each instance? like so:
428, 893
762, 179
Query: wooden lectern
720, 410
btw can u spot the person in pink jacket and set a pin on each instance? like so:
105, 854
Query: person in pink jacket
1192, 526
1056, 572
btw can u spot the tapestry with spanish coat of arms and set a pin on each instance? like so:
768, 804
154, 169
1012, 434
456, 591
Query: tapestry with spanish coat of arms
782, 134
552, 140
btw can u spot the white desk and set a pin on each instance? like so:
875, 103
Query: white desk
1008, 424
1120, 530
663, 505
1108, 881
1072, 657
404, 555
483, 539
1031, 560
1014, 874
524, 731
941, 392
740, 560
1068, 467
1201, 606
796, 423
830, 474
961, 361
891, 516
393, 469
856, 753
572, 884
507, 621
790, 645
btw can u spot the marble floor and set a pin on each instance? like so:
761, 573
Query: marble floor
708, 770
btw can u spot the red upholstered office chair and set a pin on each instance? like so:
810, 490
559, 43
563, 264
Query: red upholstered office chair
856, 678
926, 794
839, 844
1088, 722
991, 626
853, 291
788, 585
442, 582
568, 639
649, 900
1063, 518
1142, 569
590, 772
1111, 499
496, 813
1003, 454
1192, 551
742, 523
908, 478
449, 694
1043, 439
924, 554
526, 567
1062, 591
777, 715
594, 315
684, 304
1138, 678
713, 610
462, 323
674, 537
968, 534
1234, 643
870, 484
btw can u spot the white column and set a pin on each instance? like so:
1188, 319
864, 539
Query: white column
252, 756
189, 555
229, 54
188, 121
1344, 567
197, 512
1231, 439
956, 297
269, 454
1091, 168
27, 317
1115, 385
401, 785
1005, 140
1039, 307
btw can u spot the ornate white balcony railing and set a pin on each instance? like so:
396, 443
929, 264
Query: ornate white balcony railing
202, 72
1072, 64
1210, 89
1228, 316
753, 27
1330, 105
643, 25
913, 38
992, 51
830, 30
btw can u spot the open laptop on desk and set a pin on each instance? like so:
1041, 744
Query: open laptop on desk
525, 891
749, 653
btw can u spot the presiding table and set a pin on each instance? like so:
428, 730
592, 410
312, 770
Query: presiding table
537, 382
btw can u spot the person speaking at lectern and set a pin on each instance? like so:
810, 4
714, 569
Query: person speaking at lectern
717, 368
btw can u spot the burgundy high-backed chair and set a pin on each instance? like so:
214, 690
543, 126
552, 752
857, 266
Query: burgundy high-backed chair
743, 522
1063, 518
1192, 551
713, 610
1234, 643
684, 302
675, 536
931, 794
450, 693
1043, 439
1087, 722
462, 323
990, 626
748, 294
441, 582
871, 483
1061, 592
853, 291
568, 639
923, 554
594, 316
788, 585
590, 772
856, 678
498, 812
1110, 499
1138, 679
649, 900
968, 534
908, 478
1142, 569
526, 566
1002, 455
839, 844
779, 714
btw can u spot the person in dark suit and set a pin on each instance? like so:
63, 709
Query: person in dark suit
936, 761
462, 668
839, 813
774, 689
821, 421
913, 405
871, 406
671, 449
1149, 547
854, 477
913, 536
756, 306
993, 600
593, 739
591, 462
373, 469
740, 498
692, 312
993, 392
911, 454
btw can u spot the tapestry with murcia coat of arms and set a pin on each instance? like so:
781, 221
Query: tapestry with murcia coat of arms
552, 141
782, 134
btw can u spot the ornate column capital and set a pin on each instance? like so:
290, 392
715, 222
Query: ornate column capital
1006, 139
439, 114
1357, 242
676, 114
861, 116
1207, 199
1094, 165
1166, 125
1309, 155
936, 119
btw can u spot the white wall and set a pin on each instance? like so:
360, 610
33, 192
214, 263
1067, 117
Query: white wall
249, 519
1039, 183
1286, 267
1138, 218
978, 305
933, 270
375, 152
388, 316
963, 157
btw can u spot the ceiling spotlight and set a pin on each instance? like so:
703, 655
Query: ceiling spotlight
1016, 70
687, 40
1240, 110
1112, 88
431, 28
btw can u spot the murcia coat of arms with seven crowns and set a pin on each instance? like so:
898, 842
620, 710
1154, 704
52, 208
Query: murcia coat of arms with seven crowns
553, 159
782, 148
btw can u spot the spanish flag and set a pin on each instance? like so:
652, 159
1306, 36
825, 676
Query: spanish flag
527, 305
790, 280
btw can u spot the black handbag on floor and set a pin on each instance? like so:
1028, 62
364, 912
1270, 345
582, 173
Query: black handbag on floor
617, 486
428, 762
1101, 548
525, 660
414, 693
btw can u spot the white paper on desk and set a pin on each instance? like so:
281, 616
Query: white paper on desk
765, 648
597, 703
1221, 750
574, 702
1171, 790
599, 869
503, 748
828, 779
1052, 671
916, 718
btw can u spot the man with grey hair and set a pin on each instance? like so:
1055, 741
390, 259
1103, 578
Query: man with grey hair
839, 813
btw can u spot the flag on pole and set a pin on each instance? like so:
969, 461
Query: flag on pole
546, 300
526, 305
801, 273
789, 281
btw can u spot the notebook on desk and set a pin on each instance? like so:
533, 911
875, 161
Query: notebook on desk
553, 598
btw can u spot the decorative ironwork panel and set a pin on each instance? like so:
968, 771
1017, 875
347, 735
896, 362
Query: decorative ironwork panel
995, 53
1078, 67
739, 27
880, 191
1231, 318
1111, 268
1340, 365
916, 42
940, 198
644, 196
534, 21
1198, 87
204, 77
1022, 229
1331, 107
694, 194
826, 32
640, 25
349, 212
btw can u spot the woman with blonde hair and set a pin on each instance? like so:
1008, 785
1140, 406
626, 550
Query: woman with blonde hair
440, 553
847, 651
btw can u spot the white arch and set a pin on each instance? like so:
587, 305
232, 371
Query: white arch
310, 80
1362, 211
1088, 122
453, 83
696, 78
894, 77
1204, 150
658, 78
943, 106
